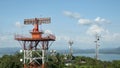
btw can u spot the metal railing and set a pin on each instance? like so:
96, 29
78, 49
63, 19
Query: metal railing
22, 36
44, 36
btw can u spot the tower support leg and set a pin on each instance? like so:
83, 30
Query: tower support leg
43, 58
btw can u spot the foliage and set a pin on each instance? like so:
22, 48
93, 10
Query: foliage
58, 61
11, 61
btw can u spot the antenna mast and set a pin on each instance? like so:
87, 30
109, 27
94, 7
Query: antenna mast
70, 47
97, 45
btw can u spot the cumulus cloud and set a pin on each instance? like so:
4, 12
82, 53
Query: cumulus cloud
100, 20
97, 21
71, 14
94, 25
111, 37
95, 29
19, 25
84, 21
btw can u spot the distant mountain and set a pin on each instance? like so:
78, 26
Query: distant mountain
111, 50
104, 51
9, 50
118, 48
4, 51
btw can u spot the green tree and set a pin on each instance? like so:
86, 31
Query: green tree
11, 61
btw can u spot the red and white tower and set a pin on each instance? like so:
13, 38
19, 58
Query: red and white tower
36, 43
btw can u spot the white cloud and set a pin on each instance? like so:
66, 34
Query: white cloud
71, 14
95, 25
84, 21
65, 38
95, 29
3, 38
76, 39
97, 20
6, 38
100, 20
19, 25
48, 32
111, 37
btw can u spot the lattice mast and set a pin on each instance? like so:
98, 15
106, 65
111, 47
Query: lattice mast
33, 43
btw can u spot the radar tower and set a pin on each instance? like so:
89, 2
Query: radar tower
35, 43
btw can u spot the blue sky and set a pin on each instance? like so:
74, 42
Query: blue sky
70, 20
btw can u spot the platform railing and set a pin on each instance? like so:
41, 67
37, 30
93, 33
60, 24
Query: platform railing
48, 36
44, 36
22, 36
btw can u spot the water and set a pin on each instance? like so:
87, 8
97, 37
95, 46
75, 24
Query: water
103, 57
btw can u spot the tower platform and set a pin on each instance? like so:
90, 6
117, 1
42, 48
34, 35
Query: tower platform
47, 38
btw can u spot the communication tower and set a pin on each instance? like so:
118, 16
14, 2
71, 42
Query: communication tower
70, 47
97, 46
35, 43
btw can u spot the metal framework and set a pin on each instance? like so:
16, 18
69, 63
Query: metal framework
35, 47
